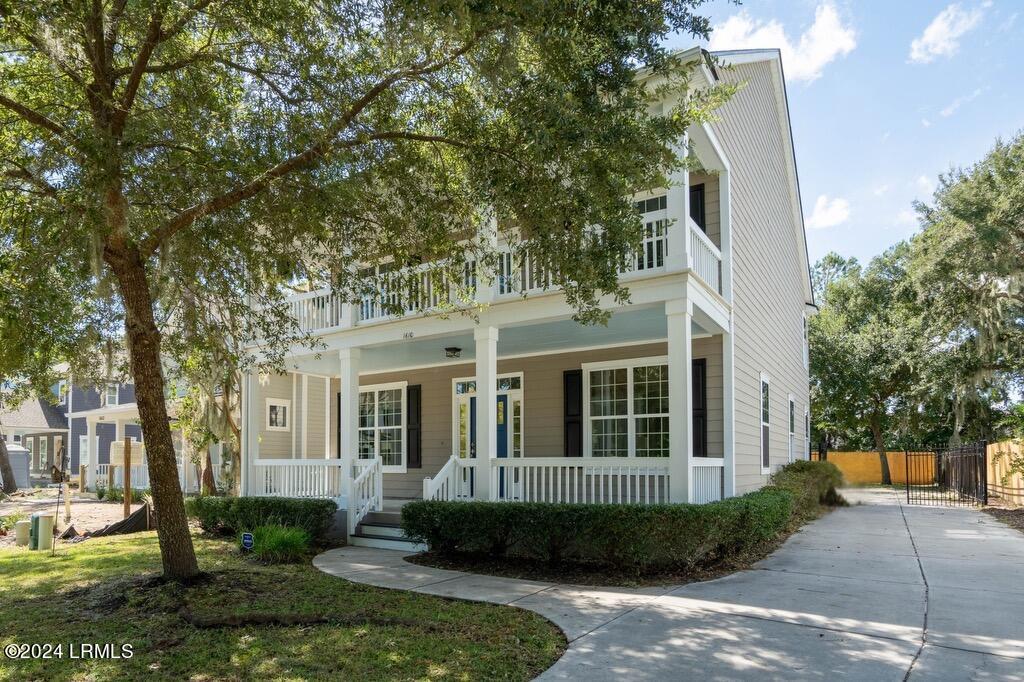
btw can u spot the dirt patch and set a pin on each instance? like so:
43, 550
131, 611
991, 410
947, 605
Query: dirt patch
1011, 517
86, 514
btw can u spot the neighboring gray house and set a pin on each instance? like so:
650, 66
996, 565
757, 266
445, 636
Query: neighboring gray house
38, 426
697, 389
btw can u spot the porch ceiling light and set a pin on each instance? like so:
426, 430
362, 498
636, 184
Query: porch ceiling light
453, 352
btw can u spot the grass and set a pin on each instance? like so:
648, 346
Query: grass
247, 621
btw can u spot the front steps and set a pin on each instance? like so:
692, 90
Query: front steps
383, 530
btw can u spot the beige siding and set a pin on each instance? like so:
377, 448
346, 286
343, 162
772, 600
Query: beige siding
274, 444
768, 272
314, 416
712, 205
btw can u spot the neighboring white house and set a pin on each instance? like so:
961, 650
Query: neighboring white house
695, 390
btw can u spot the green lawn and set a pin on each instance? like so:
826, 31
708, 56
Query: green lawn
100, 591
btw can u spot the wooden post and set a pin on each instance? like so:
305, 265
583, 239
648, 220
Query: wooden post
110, 476
67, 502
127, 476
83, 478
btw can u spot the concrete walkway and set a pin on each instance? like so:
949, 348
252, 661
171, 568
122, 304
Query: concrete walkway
878, 591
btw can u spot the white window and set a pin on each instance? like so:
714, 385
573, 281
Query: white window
807, 433
110, 397
792, 429
382, 425
627, 408
62, 392
43, 445
765, 423
279, 414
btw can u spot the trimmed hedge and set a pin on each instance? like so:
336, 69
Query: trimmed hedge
642, 538
231, 515
812, 484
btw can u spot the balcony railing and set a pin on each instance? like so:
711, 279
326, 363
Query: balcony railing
424, 288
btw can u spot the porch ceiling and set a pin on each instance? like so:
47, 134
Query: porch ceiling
634, 325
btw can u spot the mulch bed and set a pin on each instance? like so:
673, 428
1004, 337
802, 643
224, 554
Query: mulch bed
1011, 517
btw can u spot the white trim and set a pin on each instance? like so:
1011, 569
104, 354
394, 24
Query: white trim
765, 379
376, 388
626, 363
288, 414
106, 395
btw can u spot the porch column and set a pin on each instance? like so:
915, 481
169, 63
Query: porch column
93, 459
678, 209
348, 422
728, 415
486, 407
680, 397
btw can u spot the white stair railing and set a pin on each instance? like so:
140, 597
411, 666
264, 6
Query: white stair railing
590, 480
367, 492
452, 482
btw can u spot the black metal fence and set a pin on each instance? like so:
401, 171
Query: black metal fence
950, 477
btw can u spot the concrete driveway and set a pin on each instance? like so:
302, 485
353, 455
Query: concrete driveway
878, 591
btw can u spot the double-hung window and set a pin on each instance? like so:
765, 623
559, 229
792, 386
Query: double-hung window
382, 425
110, 395
278, 415
627, 408
765, 423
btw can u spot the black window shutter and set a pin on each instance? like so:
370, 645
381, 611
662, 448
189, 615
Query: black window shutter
700, 408
572, 383
413, 432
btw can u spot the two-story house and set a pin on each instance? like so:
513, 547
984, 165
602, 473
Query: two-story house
697, 389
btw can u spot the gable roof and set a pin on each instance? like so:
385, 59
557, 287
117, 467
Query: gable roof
34, 413
774, 58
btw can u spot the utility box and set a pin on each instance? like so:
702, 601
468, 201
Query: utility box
21, 533
41, 531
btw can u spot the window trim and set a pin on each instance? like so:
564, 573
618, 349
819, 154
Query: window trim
62, 391
792, 428
628, 364
513, 393
106, 395
762, 422
402, 401
279, 402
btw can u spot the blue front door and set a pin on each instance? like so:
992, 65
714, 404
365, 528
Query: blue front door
502, 435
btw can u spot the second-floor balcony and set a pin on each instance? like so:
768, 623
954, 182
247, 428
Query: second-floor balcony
420, 289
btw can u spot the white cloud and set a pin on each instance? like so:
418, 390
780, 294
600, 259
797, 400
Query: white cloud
906, 217
828, 212
925, 184
825, 39
926, 123
880, 190
958, 102
1008, 24
941, 38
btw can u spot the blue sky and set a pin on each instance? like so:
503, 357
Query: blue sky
884, 96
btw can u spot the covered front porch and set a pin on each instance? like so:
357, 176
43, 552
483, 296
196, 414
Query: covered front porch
581, 414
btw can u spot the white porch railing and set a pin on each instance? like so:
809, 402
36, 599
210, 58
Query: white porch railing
139, 478
417, 289
367, 491
589, 480
316, 310
316, 478
706, 258
708, 476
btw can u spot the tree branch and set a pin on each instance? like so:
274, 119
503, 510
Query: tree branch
22, 173
34, 117
298, 161
120, 117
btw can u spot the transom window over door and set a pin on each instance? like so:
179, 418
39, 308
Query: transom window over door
382, 425
628, 409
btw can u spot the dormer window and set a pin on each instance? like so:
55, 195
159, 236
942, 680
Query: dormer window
110, 396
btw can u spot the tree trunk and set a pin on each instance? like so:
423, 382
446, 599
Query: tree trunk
209, 485
6, 470
883, 458
176, 550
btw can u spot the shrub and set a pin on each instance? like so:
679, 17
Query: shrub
279, 544
632, 537
116, 494
230, 515
7, 522
812, 484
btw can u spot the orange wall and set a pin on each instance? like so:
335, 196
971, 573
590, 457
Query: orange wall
1001, 482
865, 468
